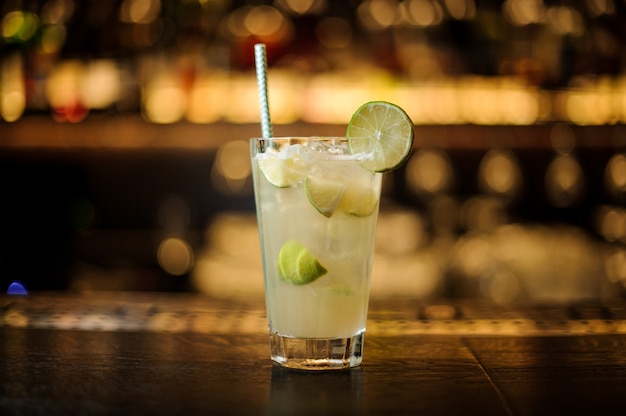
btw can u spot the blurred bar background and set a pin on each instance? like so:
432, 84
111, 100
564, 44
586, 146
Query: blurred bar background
124, 159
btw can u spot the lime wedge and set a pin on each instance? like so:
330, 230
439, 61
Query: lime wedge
282, 173
358, 201
297, 265
384, 132
324, 194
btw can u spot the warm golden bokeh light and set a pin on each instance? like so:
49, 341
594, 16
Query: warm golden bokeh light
423, 13
499, 174
564, 181
57, 12
524, 12
537, 264
220, 270
244, 87
206, 98
175, 256
600, 7
482, 214
264, 21
164, 99
615, 174
332, 98
461, 9
400, 232
517, 62
232, 160
231, 171
562, 138
12, 88
611, 223
377, 14
429, 172
140, 11
566, 20
65, 84
101, 84
616, 266
302, 7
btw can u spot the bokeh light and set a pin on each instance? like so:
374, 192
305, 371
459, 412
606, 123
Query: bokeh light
482, 214
302, 7
206, 98
600, 7
416, 52
264, 21
175, 256
57, 12
52, 38
164, 99
615, 175
377, 14
140, 11
461, 9
12, 88
423, 13
535, 264
64, 91
231, 172
566, 20
499, 174
19, 26
611, 223
101, 84
429, 172
459, 64
616, 266
524, 12
17, 288
564, 181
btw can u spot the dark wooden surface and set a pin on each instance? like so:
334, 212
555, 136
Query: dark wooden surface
152, 355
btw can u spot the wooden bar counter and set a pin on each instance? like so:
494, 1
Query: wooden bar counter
170, 354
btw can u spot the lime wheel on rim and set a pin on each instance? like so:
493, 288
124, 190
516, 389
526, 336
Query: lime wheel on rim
384, 132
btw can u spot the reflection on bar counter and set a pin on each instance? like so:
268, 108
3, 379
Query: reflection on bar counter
515, 62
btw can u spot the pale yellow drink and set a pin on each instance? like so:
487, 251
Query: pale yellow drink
315, 192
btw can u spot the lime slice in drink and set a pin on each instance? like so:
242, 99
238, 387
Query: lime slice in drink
358, 201
282, 173
384, 132
297, 265
324, 194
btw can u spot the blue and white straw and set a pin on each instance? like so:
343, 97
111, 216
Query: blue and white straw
260, 60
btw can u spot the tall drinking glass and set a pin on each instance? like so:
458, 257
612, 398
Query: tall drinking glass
317, 209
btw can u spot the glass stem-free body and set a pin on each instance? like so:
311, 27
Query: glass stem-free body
314, 192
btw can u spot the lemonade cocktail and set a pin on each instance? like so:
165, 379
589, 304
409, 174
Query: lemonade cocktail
317, 201
316, 204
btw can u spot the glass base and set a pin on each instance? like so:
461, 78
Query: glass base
317, 353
